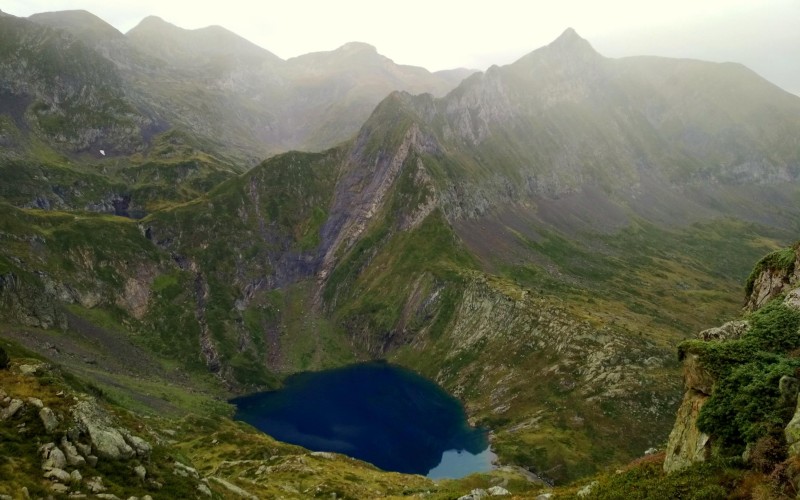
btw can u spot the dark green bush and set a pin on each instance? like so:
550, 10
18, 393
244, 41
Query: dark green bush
746, 404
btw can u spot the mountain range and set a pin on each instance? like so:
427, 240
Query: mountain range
537, 238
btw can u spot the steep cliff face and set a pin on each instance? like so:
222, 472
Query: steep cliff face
710, 366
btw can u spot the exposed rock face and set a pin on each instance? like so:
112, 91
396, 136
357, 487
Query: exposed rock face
107, 441
729, 331
792, 432
686, 443
793, 299
773, 280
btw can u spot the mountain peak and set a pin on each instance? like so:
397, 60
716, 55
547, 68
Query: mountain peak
570, 40
80, 23
358, 47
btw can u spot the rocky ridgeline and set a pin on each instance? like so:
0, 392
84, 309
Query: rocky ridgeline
687, 443
78, 436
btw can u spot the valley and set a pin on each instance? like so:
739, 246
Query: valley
538, 239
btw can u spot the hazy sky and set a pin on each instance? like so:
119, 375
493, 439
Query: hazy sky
440, 34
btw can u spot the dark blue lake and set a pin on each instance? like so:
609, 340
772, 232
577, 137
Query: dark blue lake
376, 412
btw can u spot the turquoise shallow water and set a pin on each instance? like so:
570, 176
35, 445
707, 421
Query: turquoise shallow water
376, 412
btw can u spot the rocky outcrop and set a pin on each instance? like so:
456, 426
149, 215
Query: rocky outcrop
775, 274
107, 441
728, 331
687, 444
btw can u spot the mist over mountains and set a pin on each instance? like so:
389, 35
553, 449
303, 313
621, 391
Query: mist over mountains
537, 238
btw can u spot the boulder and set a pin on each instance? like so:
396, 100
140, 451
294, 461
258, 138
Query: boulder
587, 490
74, 459
204, 489
95, 484
59, 488
185, 471
30, 369
53, 457
11, 409
498, 491
75, 477
35, 402
728, 331
139, 445
686, 444
140, 471
58, 475
49, 419
474, 495
106, 440
108, 443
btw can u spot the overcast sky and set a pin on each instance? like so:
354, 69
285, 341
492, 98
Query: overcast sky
440, 34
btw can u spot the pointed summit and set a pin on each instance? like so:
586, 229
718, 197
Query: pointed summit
571, 41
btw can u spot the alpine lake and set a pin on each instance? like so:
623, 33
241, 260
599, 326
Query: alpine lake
377, 412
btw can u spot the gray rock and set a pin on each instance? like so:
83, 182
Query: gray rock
498, 491
6, 497
71, 454
30, 369
587, 490
25, 493
76, 477
11, 410
57, 474
59, 488
54, 459
109, 443
544, 496
35, 402
49, 420
474, 495
233, 488
140, 471
204, 489
107, 496
185, 471
91, 460
793, 299
140, 446
83, 449
728, 331
650, 451
95, 484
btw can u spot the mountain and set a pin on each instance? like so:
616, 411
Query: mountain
538, 241
164, 113
241, 98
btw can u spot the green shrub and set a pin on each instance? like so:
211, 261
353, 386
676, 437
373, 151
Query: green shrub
746, 404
